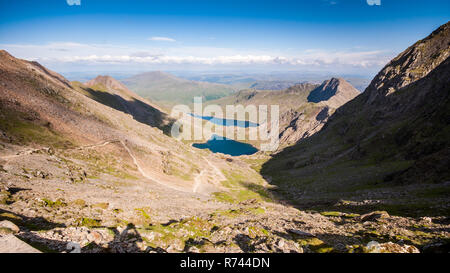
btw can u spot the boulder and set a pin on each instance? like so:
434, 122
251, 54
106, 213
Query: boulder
9, 225
389, 247
374, 216
11, 244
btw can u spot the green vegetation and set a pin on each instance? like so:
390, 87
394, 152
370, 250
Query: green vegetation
332, 213
5, 197
25, 131
145, 213
233, 213
88, 222
103, 163
242, 186
176, 90
183, 233
315, 245
54, 204
79, 202
101, 205
254, 232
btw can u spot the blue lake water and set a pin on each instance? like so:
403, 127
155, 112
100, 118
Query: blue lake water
219, 144
227, 122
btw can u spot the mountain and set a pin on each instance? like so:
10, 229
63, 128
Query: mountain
40, 108
273, 80
110, 85
113, 93
322, 102
78, 164
386, 149
164, 87
304, 108
272, 85
335, 92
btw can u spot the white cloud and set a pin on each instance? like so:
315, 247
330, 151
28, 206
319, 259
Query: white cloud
361, 59
162, 39
330, 2
70, 52
73, 2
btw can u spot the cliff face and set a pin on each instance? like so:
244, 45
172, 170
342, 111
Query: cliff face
412, 64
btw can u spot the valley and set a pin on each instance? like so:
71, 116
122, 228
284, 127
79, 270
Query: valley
94, 163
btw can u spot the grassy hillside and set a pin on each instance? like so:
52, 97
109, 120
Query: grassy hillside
168, 89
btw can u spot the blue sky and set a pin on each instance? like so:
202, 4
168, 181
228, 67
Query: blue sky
342, 36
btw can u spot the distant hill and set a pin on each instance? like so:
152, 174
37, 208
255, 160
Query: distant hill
273, 85
275, 80
395, 133
165, 87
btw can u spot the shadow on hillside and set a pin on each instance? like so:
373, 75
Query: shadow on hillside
317, 95
396, 199
141, 111
30, 223
51, 75
31, 229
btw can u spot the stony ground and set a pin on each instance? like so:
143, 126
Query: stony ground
52, 199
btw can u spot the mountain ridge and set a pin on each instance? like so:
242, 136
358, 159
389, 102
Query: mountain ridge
380, 139
335, 92
300, 118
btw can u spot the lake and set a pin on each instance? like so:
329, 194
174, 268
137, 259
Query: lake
227, 122
219, 144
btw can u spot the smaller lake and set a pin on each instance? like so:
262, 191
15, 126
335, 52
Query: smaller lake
227, 122
219, 144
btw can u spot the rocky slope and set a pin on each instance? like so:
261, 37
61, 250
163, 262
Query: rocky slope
388, 146
113, 93
41, 108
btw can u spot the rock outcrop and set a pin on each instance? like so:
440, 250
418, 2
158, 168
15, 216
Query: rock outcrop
334, 92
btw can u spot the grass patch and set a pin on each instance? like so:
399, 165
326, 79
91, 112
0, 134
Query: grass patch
54, 204
242, 187
88, 222
331, 213
25, 131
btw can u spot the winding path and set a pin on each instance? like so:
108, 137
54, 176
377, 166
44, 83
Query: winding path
197, 179
136, 162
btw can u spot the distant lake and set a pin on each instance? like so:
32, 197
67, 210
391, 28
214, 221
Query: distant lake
227, 122
219, 144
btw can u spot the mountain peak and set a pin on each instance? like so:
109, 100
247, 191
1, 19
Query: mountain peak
4, 53
412, 64
106, 82
335, 92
